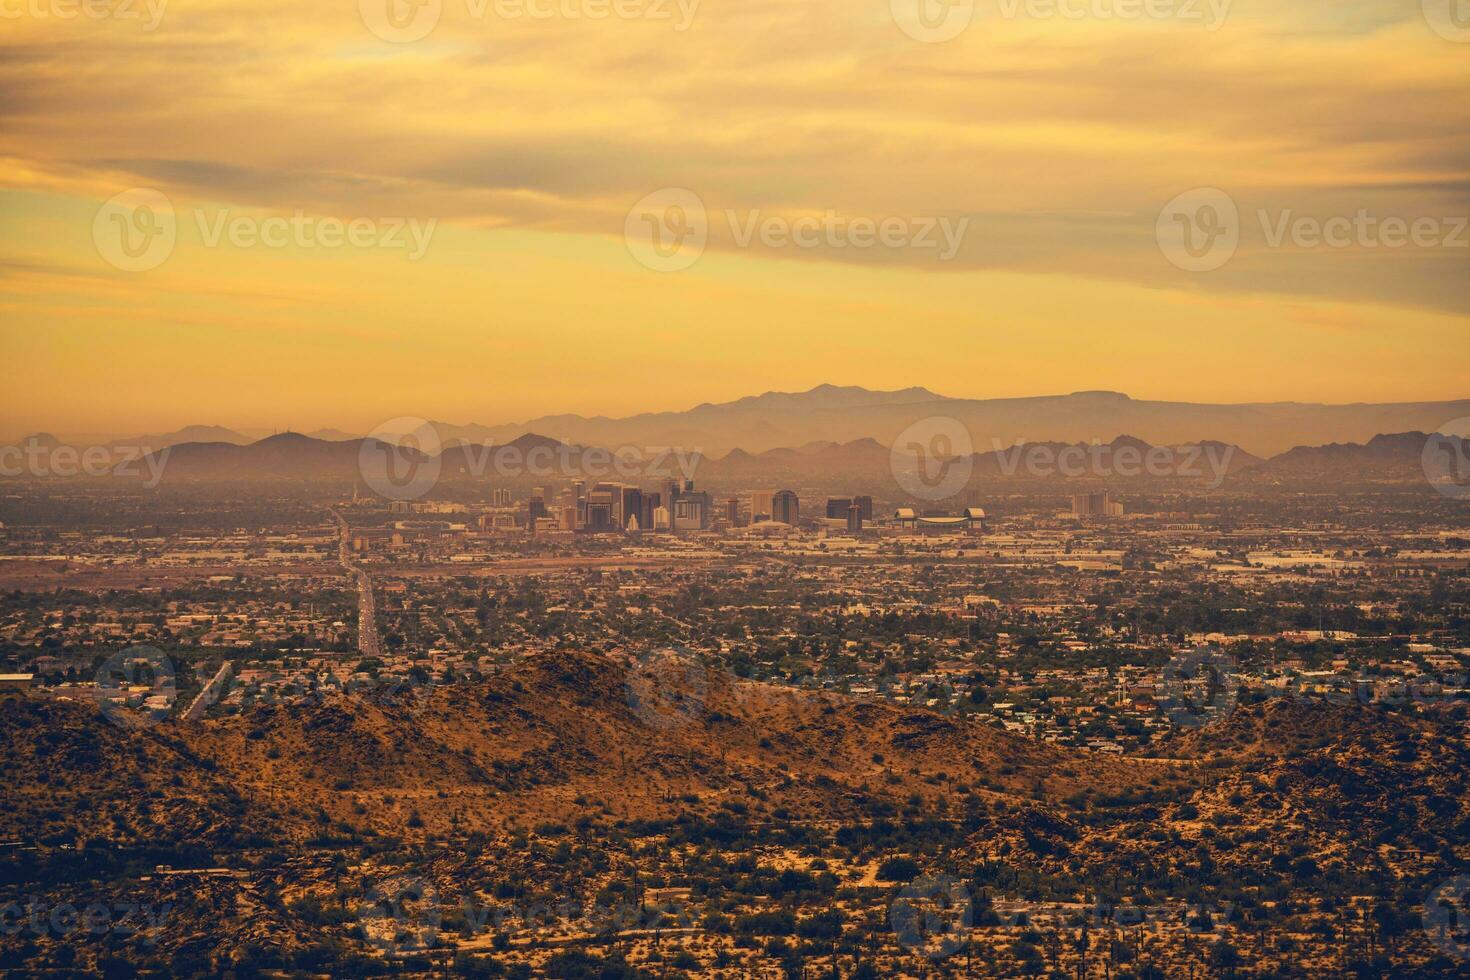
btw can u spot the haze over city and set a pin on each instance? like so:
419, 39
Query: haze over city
735, 489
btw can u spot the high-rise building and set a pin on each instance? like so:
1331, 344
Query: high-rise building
760, 505
1095, 505
854, 518
837, 507
632, 507
864, 504
691, 509
600, 504
732, 511
786, 508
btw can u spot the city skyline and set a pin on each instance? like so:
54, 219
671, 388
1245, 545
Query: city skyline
724, 489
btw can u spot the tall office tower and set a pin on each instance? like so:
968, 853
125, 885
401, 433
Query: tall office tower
1095, 505
569, 518
864, 504
650, 504
579, 500
500, 498
671, 494
599, 510
837, 507
537, 507
691, 510
660, 518
631, 508
854, 518
760, 505
732, 511
786, 508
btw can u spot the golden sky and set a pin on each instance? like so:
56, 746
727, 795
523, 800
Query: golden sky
517, 135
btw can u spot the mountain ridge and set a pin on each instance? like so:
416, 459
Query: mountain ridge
842, 413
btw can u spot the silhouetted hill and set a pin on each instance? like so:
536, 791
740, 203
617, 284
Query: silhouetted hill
842, 414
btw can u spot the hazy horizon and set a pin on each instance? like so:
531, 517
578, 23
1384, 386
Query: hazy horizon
499, 211
367, 427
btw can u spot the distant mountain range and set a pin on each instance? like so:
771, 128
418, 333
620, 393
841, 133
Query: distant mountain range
835, 414
844, 435
861, 465
830, 413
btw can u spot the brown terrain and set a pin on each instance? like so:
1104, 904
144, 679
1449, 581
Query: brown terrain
572, 779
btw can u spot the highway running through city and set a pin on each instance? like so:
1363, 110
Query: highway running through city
367, 614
